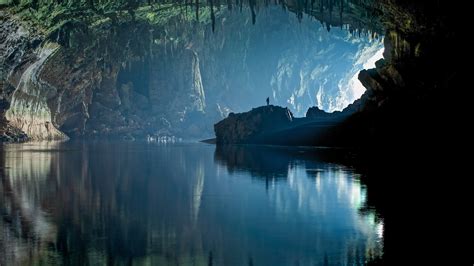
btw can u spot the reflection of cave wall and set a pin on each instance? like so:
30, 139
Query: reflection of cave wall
51, 208
129, 202
25, 224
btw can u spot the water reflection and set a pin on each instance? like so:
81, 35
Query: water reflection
323, 196
185, 204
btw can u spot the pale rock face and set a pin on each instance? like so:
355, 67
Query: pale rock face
29, 109
197, 87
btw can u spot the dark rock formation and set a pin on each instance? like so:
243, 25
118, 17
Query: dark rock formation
408, 98
9, 133
251, 126
315, 112
276, 125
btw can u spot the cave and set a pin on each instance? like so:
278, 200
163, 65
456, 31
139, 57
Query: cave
241, 65
225, 133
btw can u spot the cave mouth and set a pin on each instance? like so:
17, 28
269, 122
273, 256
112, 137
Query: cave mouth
300, 63
295, 61
185, 77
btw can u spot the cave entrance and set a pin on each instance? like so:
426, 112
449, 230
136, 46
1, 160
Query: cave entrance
188, 77
298, 63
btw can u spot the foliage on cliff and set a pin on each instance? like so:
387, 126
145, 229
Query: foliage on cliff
51, 15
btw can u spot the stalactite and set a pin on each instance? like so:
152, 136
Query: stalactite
341, 10
197, 10
252, 10
213, 18
330, 10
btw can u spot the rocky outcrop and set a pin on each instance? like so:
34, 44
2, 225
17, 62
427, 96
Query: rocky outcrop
25, 93
277, 125
250, 126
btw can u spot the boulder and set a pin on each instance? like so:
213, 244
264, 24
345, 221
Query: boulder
249, 126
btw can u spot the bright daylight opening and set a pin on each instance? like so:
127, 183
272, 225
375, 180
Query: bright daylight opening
298, 64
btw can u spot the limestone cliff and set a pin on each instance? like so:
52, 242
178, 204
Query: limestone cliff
29, 109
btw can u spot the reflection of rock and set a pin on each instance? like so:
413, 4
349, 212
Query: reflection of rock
255, 160
95, 197
261, 161
26, 229
313, 187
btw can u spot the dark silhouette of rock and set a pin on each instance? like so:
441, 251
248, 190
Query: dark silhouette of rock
315, 112
249, 126
276, 125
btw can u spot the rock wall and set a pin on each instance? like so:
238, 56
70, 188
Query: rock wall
114, 79
29, 110
407, 99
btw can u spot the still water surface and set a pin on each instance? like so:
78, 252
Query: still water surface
181, 204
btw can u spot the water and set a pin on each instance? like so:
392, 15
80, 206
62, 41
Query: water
181, 204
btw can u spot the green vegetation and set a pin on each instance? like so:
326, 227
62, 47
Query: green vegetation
48, 16
51, 14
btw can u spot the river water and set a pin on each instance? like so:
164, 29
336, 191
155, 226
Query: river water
181, 204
